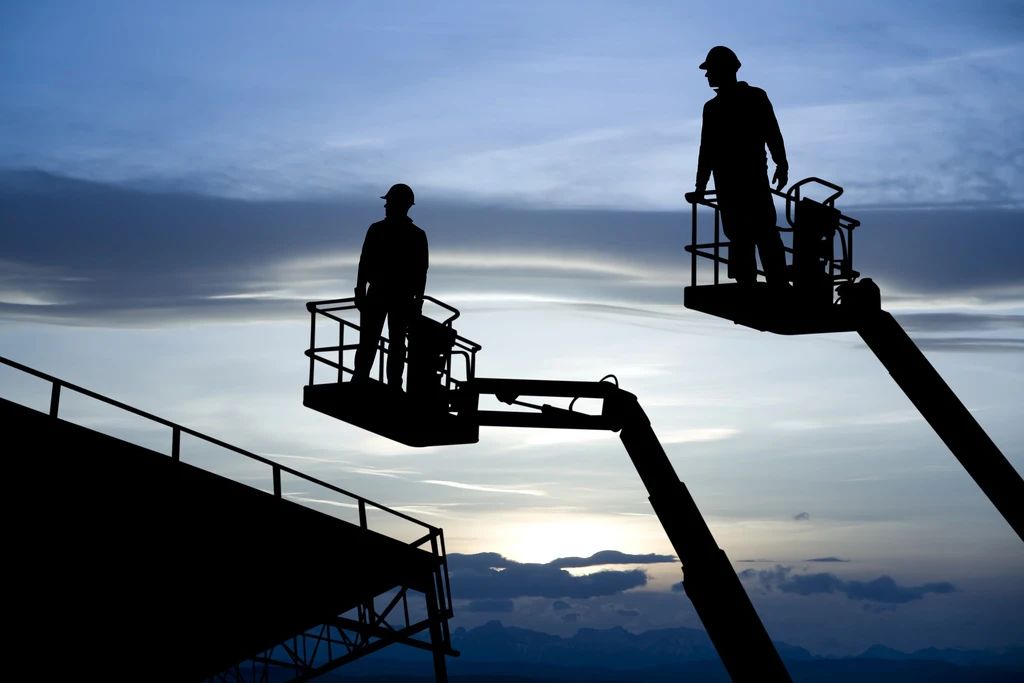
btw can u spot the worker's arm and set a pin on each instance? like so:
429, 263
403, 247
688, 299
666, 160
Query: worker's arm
365, 257
704, 156
423, 262
776, 146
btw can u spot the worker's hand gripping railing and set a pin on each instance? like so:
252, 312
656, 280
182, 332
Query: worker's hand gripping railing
839, 268
709, 199
341, 356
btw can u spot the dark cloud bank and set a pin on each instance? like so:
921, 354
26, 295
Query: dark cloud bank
106, 254
880, 590
825, 559
490, 580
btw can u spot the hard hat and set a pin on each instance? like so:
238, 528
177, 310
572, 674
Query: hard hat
721, 57
401, 193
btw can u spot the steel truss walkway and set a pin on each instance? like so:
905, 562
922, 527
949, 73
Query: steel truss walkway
134, 565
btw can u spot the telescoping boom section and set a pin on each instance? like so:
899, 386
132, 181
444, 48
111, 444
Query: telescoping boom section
709, 579
823, 294
444, 408
947, 415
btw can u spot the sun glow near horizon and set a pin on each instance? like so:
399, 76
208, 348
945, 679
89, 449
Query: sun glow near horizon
540, 535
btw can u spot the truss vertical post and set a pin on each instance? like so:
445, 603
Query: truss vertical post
438, 643
54, 399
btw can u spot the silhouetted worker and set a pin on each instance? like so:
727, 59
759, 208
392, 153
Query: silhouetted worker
738, 122
394, 265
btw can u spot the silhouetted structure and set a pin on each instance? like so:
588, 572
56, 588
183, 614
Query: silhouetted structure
828, 297
391, 280
822, 256
163, 571
422, 416
737, 124
451, 414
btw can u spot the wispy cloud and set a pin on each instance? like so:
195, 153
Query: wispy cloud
648, 160
383, 472
562, 262
960, 321
323, 501
23, 284
427, 510
302, 458
973, 345
698, 435
487, 488
568, 263
542, 439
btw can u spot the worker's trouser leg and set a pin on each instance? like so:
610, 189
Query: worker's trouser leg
748, 219
398, 325
371, 323
742, 266
773, 254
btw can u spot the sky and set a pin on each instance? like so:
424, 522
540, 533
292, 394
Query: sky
176, 180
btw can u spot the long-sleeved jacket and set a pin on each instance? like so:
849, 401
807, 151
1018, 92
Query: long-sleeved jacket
738, 122
394, 260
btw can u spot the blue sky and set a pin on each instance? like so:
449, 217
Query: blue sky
176, 180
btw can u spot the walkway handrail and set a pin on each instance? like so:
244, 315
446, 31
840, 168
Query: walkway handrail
178, 430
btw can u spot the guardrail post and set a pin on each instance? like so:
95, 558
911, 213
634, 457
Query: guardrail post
54, 399
341, 352
444, 568
362, 513
277, 481
717, 233
693, 242
312, 345
176, 444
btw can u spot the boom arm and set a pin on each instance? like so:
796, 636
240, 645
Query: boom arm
709, 579
947, 416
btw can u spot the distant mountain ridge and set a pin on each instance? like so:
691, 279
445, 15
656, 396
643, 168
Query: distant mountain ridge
1009, 658
613, 648
617, 654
